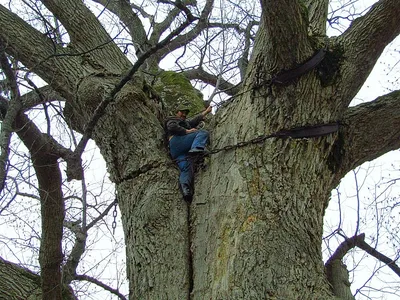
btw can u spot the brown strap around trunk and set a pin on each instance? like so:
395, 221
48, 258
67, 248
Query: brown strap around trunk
286, 77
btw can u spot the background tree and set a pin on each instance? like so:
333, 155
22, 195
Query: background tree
255, 226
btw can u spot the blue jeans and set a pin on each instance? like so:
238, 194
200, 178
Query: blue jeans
179, 147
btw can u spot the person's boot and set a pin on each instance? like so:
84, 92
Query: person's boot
186, 192
198, 150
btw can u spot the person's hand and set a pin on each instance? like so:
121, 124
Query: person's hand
207, 111
190, 130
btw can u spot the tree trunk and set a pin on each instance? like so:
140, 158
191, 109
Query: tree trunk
258, 213
257, 216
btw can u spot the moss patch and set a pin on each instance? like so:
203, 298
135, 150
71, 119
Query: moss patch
175, 89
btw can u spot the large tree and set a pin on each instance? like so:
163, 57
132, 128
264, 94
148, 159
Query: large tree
254, 228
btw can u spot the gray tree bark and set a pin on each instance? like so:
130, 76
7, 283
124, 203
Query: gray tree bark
19, 283
254, 228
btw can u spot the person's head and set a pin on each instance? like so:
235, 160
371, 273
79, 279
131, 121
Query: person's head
182, 111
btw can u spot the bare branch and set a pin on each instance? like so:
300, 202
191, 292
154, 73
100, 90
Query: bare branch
40, 96
11, 108
364, 42
379, 256
371, 129
122, 9
100, 284
101, 216
345, 247
81, 25
192, 34
202, 75
160, 28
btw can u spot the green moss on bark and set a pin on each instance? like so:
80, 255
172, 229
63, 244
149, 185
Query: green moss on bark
175, 89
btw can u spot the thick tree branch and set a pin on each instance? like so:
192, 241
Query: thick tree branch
9, 113
202, 75
87, 33
69, 268
244, 59
37, 52
52, 205
370, 130
42, 95
364, 42
359, 241
122, 9
20, 283
345, 247
17, 281
336, 271
286, 34
317, 15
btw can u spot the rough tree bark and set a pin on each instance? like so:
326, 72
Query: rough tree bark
19, 283
254, 228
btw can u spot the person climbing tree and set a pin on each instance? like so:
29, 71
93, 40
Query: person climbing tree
186, 140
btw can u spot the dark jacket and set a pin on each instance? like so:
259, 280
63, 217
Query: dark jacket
177, 126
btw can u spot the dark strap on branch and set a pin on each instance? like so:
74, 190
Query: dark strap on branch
309, 131
286, 77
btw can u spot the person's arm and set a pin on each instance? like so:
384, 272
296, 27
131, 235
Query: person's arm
174, 128
207, 111
200, 117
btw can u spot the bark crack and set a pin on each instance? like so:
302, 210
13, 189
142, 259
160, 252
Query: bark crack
140, 171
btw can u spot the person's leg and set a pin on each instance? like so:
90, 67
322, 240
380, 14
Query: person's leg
201, 139
181, 144
185, 165
179, 147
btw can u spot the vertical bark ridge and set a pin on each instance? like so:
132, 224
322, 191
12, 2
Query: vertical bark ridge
190, 254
